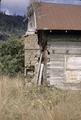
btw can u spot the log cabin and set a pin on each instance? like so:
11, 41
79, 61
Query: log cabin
53, 45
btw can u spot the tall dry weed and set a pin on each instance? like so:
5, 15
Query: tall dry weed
19, 102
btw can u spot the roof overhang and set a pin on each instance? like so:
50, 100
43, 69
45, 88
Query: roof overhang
52, 16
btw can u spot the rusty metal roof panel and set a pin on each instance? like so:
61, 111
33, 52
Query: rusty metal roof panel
58, 16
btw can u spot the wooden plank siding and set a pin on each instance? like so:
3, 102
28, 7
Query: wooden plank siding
59, 49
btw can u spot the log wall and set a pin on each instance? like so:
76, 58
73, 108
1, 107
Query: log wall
62, 52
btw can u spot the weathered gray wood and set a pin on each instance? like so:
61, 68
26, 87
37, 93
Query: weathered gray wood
55, 63
63, 39
63, 43
39, 67
41, 74
56, 66
56, 57
62, 50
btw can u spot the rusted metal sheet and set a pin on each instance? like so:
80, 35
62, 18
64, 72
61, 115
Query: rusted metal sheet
58, 17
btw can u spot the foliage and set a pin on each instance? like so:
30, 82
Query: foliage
12, 24
11, 44
12, 56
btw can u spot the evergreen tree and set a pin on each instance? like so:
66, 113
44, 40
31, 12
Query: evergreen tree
0, 6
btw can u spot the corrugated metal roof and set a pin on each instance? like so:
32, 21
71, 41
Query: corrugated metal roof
58, 16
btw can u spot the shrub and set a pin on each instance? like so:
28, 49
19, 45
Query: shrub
12, 56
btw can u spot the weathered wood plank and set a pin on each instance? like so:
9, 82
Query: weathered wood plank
62, 50
55, 75
39, 67
55, 63
56, 66
56, 57
41, 74
63, 39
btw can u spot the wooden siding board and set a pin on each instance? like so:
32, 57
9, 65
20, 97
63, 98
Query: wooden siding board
56, 65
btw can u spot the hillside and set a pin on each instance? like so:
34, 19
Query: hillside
12, 28
12, 24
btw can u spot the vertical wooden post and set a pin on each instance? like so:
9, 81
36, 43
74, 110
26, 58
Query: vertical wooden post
40, 75
39, 66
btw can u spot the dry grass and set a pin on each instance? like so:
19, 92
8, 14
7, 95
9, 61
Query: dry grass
19, 102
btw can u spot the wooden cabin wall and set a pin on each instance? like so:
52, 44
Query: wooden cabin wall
57, 50
61, 47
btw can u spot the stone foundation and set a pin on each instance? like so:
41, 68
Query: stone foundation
32, 53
